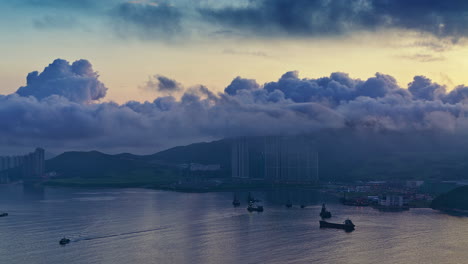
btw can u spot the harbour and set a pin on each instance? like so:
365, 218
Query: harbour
141, 225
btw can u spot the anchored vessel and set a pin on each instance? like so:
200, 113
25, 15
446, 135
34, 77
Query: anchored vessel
64, 241
289, 204
347, 225
3, 214
253, 206
235, 202
324, 213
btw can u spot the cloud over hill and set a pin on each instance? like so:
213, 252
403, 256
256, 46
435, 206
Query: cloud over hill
58, 109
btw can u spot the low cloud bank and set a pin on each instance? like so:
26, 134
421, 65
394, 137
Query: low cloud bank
58, 109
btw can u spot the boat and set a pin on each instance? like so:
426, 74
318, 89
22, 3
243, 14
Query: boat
289, 204
324, 213
64, 241
3, 214
347, 225
252, 204
236, 202
303, 206
254, 207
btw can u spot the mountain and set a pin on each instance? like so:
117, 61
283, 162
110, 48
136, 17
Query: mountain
216, 152
98, 169
456, 199
91, 164
341, 158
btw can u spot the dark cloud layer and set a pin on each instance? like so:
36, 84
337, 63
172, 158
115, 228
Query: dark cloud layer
325, 17
56, 3
54, 110
151, 19
272, 18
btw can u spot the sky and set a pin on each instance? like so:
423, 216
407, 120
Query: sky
142, 76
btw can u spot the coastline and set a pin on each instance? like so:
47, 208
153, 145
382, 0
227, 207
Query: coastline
179, 188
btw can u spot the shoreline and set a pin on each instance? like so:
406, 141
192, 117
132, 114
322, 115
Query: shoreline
184, 189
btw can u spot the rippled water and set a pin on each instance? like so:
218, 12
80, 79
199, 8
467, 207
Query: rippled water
146, 226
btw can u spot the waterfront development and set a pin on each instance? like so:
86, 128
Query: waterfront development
150, 226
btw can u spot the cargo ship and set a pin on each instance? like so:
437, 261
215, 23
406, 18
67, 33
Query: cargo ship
347, 225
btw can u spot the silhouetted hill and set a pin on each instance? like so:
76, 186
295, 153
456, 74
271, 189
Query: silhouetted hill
342, 158
216, 152
92, 164
98, 169
456, 199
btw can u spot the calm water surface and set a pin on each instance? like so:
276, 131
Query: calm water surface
145, 226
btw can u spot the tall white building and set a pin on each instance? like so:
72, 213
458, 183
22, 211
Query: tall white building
240, 158
291, 160
277, 159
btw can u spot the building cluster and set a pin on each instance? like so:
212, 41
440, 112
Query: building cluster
199, 167
383, 195
275, 159
204, 167
391, 200
29, 166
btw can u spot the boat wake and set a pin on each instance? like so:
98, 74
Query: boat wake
121, 234
84, 238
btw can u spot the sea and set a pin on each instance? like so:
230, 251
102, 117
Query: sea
121, 226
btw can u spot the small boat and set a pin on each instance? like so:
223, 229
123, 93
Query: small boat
289, 204
254, 208
236, 202
347, 225
3, 214
324, 213
303, 206
64, 241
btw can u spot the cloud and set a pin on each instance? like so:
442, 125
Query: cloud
55, 22
247, 53
241, 84
162, 84
422, 57
58, 110
147, 19
423, 88
77, 82
56, 3
163, 19
333, 17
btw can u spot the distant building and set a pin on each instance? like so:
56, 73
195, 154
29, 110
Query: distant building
414, 184
240, 159
31, 165
290, 160
391, 200
203, 167
275, 159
